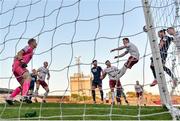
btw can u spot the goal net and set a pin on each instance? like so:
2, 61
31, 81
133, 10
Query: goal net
72, 33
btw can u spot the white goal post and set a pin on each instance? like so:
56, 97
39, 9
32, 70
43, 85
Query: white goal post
164, 94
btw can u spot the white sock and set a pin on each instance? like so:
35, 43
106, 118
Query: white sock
45, 95
122, 72
112, 93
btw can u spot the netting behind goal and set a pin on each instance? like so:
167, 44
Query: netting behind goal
70, 30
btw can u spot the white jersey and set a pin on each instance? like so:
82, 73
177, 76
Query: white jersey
177, 40
138, 88
112, 72
133, 50
42, 71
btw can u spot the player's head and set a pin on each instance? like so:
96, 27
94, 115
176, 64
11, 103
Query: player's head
171, 30
45, 64
125, 41
94, 62
34, 71
32, 42
162, 33
108, 63
137, 82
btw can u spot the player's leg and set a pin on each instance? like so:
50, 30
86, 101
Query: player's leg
118, 92
46, 87
15, 92
101, 92
36, 91
129, 64
112, 84
18, 89
169, 72
37, 87
125, 99
94, 85
178, 54
31, 89
121, 72
26, 84
137, 98
141, 98
154, 73
18, 72
25, 87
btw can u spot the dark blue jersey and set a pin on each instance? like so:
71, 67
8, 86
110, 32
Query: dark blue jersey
33, 77
165, 46
96, 71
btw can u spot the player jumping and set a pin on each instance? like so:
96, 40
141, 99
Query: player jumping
133, 59
42, 72
97, 82
164, 44
21, 73
113, 81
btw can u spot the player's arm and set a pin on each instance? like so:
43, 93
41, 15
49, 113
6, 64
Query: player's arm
39, 69
19, 55
173, 40
103, 75
142, 88
119, 48
123, 54
135, 88
102, 71
48, 76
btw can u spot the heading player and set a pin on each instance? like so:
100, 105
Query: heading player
133, 59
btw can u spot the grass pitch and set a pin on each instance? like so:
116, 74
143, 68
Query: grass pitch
53, 111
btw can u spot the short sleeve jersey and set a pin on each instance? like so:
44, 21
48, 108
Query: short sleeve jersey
112, 72
42, 71
177, 40
33, 77
133, 50
138, 88
96, 71
27, 50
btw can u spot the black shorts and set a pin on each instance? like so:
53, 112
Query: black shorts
97, 84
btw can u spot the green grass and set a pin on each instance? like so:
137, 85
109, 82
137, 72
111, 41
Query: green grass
51, 111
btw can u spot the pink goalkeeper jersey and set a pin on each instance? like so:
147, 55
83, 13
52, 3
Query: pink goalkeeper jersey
28, 53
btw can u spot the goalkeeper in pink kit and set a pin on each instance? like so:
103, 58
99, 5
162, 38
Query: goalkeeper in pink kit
21, 73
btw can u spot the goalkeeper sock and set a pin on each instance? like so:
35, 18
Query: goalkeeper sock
25, 89
15, 92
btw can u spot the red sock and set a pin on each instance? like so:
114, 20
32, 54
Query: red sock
15, 92
25, 89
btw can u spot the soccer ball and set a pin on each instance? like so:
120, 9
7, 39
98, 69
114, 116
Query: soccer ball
145, 29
